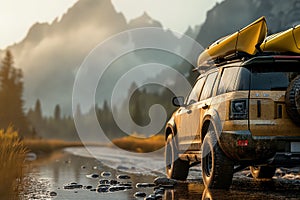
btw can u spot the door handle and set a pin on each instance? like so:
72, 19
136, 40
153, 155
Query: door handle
205, 106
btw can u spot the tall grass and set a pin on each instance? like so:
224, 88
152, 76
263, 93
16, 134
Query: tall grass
49, 146
12, 157
140, 145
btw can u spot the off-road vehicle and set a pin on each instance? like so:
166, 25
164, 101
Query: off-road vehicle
243, 111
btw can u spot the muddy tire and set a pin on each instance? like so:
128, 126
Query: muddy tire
262, 172
175, 167
292, 100
217, 168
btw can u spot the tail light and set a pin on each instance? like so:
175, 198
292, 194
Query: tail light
238, 109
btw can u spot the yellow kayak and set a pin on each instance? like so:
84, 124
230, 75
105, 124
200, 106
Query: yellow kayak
283, 42
245, 40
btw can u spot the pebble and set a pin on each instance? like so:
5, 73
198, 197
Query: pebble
140, 194
150, 197
53, 194
72, 186
93, 190
164, 181
83, 167
159, 191
144, 185
113, 182
88, 187
104, 181
105, 174
125, 184
103, 185
123, 176
102, 189
92, 176
122, 168
167, 186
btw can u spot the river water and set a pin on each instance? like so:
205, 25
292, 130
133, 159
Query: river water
47, 176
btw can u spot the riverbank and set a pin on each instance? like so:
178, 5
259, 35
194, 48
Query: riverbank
50, 174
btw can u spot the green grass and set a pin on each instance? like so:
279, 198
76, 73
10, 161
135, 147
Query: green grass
12, 157
141, 145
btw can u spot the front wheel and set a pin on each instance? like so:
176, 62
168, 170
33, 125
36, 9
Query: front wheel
175, 167
262, 172
217, 169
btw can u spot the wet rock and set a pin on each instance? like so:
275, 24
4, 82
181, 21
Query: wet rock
122, 168
102, 189
159, 191
128, 187
72, 186
114, 189
125, 184
88, 187
83, 167
150, 197
144, 185
93, 190
164, 181
140, 194
75, 191
105, 174
95, 167
167, 186
113, 182
92, 176
104, 181
159, 196
73, 183
123, 176
53, 194
103, 185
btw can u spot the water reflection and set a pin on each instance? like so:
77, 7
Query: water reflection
242, 188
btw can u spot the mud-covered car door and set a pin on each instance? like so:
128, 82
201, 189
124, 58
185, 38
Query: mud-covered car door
197, 111
185, 116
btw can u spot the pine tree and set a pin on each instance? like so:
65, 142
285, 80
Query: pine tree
57, 113
11, 91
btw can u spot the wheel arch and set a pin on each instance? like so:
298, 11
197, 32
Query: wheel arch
211, 118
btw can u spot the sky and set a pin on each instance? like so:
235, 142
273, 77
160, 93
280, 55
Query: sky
17, 16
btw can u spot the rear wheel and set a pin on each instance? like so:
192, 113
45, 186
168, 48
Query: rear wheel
262, 172
175, 167
217, 169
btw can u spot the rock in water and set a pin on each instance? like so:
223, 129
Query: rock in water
53, 194
92, 176
123, 176
164, 181
105, 174
139, 194
144, 185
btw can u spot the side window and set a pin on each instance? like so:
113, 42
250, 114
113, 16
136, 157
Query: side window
208, 87
243, 79
194, 95
228, 80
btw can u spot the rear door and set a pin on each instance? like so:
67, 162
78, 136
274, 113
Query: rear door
186, 116
267, 107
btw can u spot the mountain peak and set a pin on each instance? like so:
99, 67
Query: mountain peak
144, 20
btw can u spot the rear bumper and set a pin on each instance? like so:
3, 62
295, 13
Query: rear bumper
285, 160
259, 150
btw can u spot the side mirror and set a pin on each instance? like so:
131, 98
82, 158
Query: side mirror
178, 101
